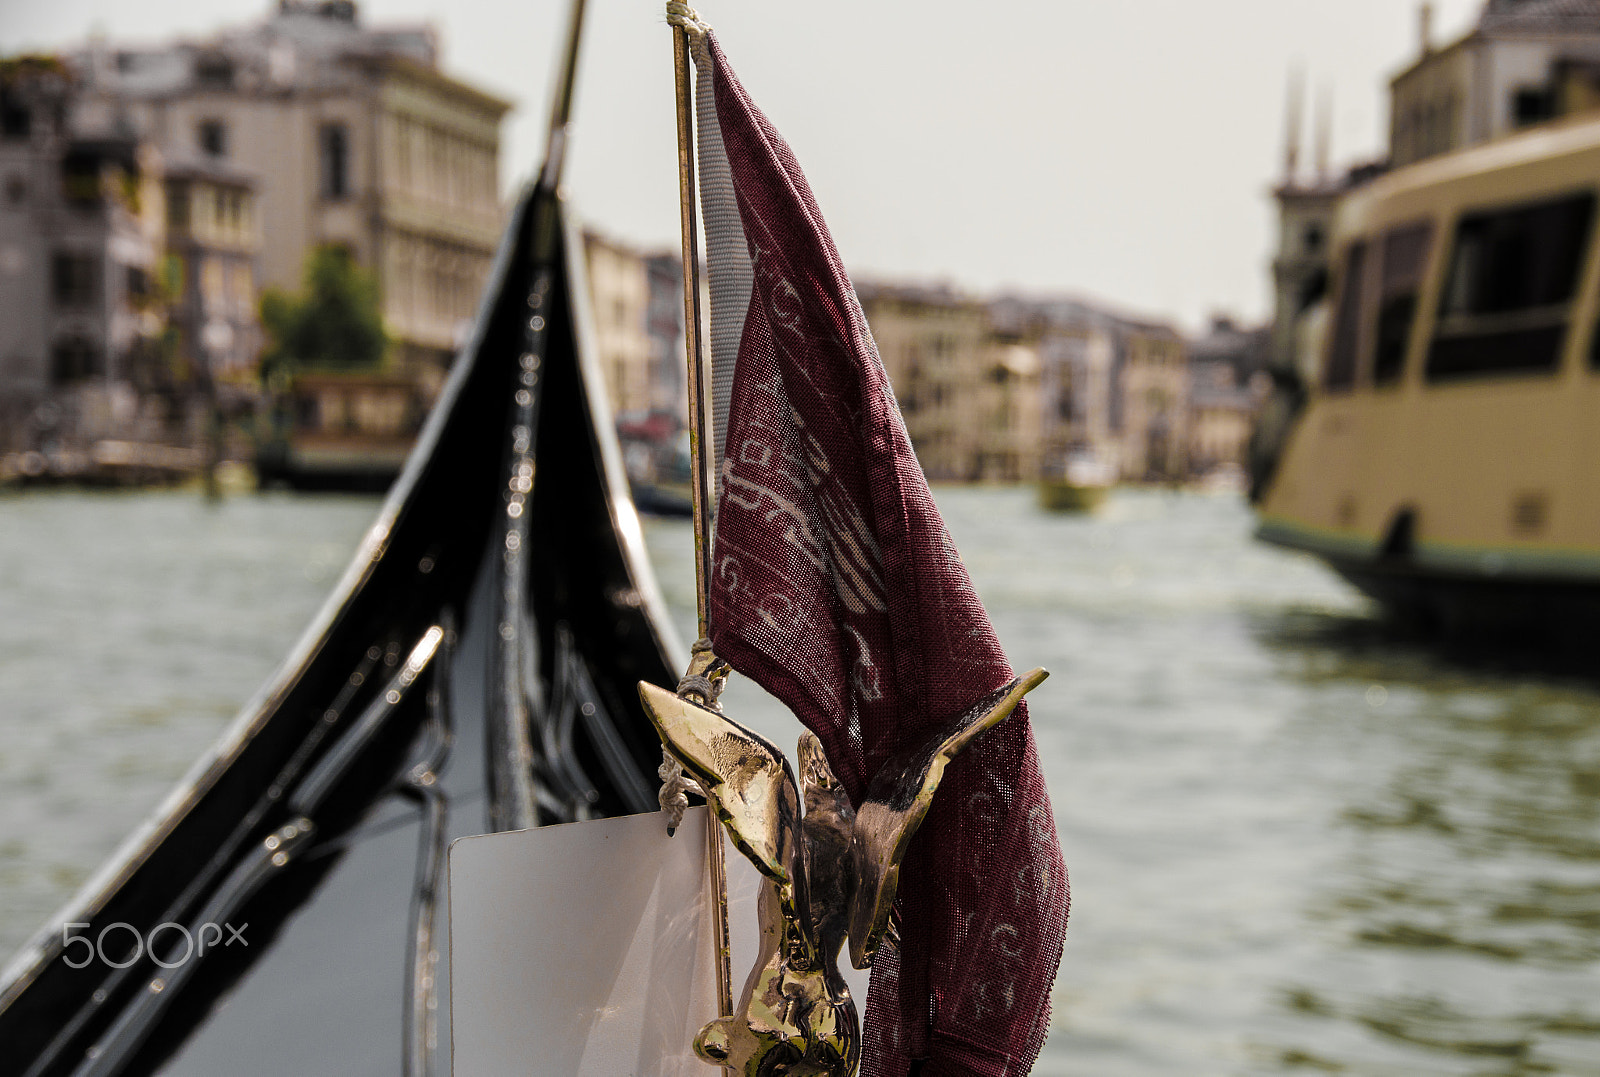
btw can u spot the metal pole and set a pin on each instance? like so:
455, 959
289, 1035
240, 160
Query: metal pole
700, 455
700, 443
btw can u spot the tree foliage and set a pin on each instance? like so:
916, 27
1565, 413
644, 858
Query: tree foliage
336, 324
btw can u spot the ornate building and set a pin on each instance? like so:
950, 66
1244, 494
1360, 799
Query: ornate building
1524, 63
213, 240
932, 341
354, 136
992, 390
80, 243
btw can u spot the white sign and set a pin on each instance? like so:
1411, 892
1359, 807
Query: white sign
582, 950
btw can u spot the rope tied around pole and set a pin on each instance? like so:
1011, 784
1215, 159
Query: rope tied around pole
687, 19
707, 676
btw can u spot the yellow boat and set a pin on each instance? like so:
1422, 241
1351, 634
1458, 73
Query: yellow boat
1446, 458
1060, 495
1075, 481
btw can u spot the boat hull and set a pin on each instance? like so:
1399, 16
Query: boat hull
1058, 495
1437, 442
1485, 594
330, 466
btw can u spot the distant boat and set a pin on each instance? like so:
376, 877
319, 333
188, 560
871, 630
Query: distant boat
330, 430
1447, 458
655, 452
1076, 481
104, 463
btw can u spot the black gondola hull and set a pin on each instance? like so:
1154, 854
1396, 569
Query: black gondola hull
322, 982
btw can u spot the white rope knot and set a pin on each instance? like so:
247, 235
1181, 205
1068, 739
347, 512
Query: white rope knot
675, 785
686, 18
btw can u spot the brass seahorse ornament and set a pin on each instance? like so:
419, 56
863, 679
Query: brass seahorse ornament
830, 872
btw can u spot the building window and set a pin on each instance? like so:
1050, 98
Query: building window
1507, 297
138, 285
72, 279
80, 181
214, 71
213, 138
1531, 105
178, 206
213, 283
16, 190
242, 287
173, 276
335, 161
73, 360
15, 119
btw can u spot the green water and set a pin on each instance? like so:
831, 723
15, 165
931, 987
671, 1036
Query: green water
1298, 843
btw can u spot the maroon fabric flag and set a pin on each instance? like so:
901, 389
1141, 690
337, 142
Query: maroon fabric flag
836, 587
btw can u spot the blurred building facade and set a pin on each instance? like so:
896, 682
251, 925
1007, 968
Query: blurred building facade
353, 135
933, 340
1524, 63
995, 390
637, 300
81, 234
619, 293
1154, 403
151, 192
213, 243
1228, 383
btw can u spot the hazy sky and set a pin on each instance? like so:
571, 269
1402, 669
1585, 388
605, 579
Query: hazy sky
1120, 149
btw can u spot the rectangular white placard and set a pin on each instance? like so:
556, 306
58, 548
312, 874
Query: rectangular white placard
584, 950
581, 950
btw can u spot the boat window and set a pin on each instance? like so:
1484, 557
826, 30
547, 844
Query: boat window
1507, 297
1343, 352
1405, 259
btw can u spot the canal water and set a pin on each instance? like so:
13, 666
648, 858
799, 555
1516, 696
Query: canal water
1299, 843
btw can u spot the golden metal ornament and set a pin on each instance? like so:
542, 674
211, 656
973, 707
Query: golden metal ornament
829, 872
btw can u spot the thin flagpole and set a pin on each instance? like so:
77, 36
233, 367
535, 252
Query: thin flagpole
700, 440
700, 454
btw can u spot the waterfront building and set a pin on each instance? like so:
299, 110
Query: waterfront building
619, 295
1228, 383
933, 340
995, 390
213, 238
1009, 410
1113, 387
637, 300
1076, 345
1525, 62
80, 239
669, 390
355, 137
1153, 398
